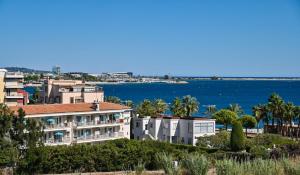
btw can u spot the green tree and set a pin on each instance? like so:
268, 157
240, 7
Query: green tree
276, 107
236, 108
260, 112
8, 153
146, 108
248, 121
190, 104
210, 110
297, 114
160, 106
289, 112
129, 103
225, 117
177, 108
237, 137
113, 99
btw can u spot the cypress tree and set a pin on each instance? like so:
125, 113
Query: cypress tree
237, 139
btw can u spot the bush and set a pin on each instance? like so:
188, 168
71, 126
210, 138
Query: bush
268, 140
195, 164
219, 141
167, 164
259, 152
237, 139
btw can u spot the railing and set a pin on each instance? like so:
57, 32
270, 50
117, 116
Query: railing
101, 136
91, 123
14, 95
56, 126
63, 140
13, 85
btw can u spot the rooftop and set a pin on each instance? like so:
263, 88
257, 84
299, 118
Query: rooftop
67, 108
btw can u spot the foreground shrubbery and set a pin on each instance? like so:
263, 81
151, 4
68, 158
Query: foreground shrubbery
114, 155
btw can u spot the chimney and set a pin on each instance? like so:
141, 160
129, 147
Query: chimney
97, 105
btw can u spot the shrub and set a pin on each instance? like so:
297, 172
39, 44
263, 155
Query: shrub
167, 164
237, 139
195, 164
259, 152
219, 141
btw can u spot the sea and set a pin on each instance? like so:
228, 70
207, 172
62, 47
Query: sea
208, 92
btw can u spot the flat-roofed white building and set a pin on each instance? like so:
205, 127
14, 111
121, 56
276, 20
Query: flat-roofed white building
173, 129
66, 124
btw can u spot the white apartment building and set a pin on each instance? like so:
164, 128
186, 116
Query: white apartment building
66, 124
173, 129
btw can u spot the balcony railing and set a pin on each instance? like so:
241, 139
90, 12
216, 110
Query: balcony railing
14, 85
14, 95
101, 136
56, 126
63, 140
14, 75
99, 122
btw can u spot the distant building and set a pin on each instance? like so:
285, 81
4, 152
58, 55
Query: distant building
118, 75
173, 129
70, 91
11, 85
56, 70
66, 124
2, 85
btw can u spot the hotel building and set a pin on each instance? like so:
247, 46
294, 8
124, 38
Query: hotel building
70, 91
173, 129
66, 124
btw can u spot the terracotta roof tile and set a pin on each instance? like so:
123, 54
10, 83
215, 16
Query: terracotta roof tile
65, 108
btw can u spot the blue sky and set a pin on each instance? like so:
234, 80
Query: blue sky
153, 37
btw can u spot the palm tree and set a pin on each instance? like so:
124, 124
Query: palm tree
190, 104
297, 114
177, 108
289, 112
210, 110
236, 108
276, 107
160, 106
146, 108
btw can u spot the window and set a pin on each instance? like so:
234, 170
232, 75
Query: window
146, 126
137, 124
204, 127
190, 140
190, 128
151, 125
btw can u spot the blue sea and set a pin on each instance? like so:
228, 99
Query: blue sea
208, 92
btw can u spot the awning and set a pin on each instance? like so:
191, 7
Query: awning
51, 120
59, 133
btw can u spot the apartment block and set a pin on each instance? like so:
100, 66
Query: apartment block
66, 124
70, 91
173, 129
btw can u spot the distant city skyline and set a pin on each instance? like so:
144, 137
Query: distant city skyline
152, 37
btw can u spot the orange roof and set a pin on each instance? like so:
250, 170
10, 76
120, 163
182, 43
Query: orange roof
67, 108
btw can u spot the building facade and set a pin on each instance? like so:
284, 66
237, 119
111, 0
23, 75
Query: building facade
11, 88
70, 91
173, 129
66, 124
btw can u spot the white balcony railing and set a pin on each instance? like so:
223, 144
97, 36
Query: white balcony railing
57, 126
14, 75
92, 123
14, 85
101, 136
63, 140
14, 95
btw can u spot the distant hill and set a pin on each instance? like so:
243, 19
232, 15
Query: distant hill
25, 70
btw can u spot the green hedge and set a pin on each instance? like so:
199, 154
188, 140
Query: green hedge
114, 155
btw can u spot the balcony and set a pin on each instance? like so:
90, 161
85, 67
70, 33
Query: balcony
61, 141
14, 85
14, 75
14, 96
99, 123
102, 137
60, 126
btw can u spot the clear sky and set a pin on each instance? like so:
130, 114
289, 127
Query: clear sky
153, 37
